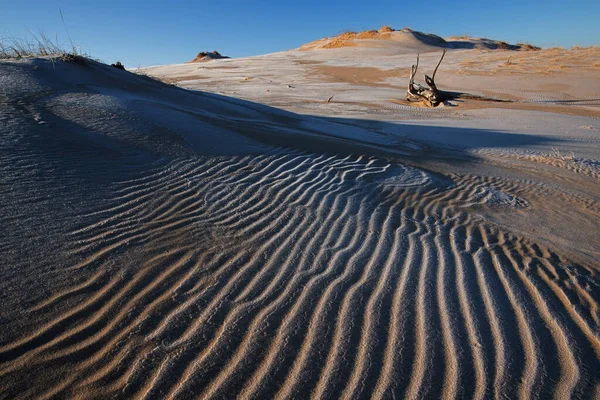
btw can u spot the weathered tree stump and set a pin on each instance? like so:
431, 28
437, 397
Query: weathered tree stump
418, 93
431, 96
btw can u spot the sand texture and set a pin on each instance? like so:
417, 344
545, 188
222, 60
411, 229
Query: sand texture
163, 243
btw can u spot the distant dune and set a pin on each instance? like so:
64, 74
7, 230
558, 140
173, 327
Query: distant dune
407, 35
208, 56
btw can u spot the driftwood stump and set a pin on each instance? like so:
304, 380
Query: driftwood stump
418, 93
431, 96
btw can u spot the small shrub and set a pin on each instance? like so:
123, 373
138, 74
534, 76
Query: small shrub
118, 65
503, 45
528, 47
73, 59
386, 29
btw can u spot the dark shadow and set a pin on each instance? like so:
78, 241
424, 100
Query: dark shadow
155, 128
344, 135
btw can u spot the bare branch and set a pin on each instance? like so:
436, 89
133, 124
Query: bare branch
438, 65
416, 92
432, 97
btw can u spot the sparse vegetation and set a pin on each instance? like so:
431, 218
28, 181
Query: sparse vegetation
335, 43
144, 73
503, 45
528, 47
40, 46
73, 58
463, 37
118, 65
208, 55
346, 38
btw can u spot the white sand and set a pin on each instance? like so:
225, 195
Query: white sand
161, 243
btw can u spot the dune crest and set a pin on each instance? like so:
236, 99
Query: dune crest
407, 35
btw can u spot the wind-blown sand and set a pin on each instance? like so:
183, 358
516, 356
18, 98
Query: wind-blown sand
164, 243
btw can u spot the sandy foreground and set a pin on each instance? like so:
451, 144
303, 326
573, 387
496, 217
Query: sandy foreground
247, 238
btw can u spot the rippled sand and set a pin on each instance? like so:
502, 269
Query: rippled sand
160, 243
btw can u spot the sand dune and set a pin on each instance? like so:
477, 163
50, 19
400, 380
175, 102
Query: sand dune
200, 246
369, 81
298, 273
411, 38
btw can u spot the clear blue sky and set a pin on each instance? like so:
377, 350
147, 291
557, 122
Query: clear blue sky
162, 32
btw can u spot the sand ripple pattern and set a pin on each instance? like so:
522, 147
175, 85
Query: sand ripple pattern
295, 275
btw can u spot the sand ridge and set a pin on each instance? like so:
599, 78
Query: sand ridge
406, 36
249, 261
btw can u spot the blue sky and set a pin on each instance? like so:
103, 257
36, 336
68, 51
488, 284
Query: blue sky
162, 32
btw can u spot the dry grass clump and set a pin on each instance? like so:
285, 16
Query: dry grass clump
576, 57
370, 34
528, 47
337, 43
522, 62
73, 59
503, 45
463, 37
40, 46
386, 29
345, 39
348, 35
165, 80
